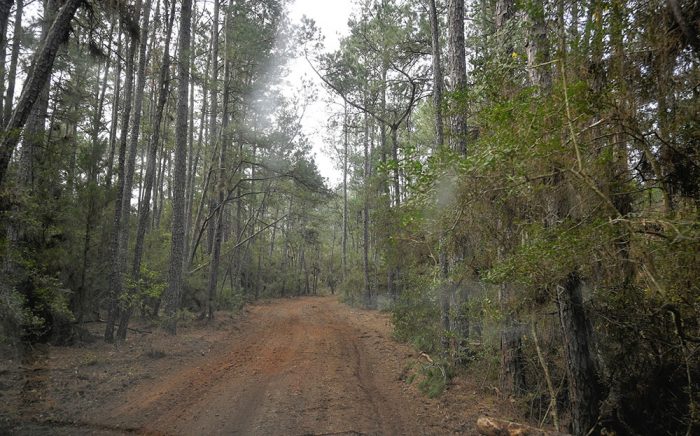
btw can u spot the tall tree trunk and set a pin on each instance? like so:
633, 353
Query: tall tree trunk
512, 360
384, 184
221, 179
160, 177
163, 90
458, 71
512, 371
116, 101
439, 143
539, 68
437, 75
5, 6
345, 192
394, 129
173, 293
394, 271
189, 250
505, 9
365, 213
133, 150
14, 57
445, 292
117, 266
191, 158
584, 390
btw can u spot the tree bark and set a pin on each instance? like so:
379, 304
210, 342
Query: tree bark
116, 101
221, 179
5, 6
345, 192
539, 68
133, 145
145, 205
14, 57
437, 75
189, 242
445, 291
394, 129
365, 215
439, 143
584, 390
191, 156
505, 9
173, 293
458, 71
117, 266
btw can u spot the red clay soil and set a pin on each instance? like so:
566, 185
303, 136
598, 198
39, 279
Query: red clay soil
305, 366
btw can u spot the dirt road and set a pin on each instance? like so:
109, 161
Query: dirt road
306, 366
301, 366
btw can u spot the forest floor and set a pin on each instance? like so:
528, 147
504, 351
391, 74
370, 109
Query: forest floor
303, 366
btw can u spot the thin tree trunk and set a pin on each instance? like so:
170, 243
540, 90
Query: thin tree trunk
458, 70
445, 291
115, 115
395, 156
133, 146
512, 376
189, 179
394, 269
512, 360
554, 410
158, 188
117, 266
5, 6
220, 187
189, 251
437, 75
365, 215
144, 207
173, 293
439, 142
14, 57
345, 192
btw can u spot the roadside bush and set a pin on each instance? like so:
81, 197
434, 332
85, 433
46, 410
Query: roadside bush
416, 318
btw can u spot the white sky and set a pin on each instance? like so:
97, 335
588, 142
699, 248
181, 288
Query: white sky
331, 17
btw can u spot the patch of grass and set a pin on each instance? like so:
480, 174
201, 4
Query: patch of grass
434, 381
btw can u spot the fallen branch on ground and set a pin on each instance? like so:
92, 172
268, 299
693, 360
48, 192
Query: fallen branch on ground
500, 427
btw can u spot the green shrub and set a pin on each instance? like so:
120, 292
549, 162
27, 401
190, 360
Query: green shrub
416, 318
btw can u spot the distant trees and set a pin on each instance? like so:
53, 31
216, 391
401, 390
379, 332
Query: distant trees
128, 175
